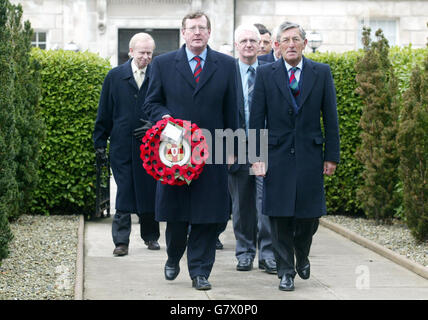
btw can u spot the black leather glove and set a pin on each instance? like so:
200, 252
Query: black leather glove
140, 132
101, 153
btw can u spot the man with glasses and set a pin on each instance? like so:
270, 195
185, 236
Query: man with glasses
291, 95
197, 84
251, 228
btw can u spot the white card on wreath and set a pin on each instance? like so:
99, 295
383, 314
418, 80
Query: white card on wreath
172, 132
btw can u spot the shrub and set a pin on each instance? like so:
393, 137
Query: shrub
28, 122
412, 141
71, 85
378, 88
8, 133
341, 188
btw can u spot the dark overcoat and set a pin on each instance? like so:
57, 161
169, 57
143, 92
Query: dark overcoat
211, 104
119, 111
268, 57
297, 149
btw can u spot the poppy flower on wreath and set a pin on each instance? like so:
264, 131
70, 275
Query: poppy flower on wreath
169, 178
172, 161
159, 168
189, 173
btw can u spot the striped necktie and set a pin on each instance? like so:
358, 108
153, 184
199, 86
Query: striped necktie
198, 68
294, 85
250, 83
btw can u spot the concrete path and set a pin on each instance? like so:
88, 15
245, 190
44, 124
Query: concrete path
340, 270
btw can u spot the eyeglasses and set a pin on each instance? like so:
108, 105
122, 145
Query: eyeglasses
200, 28
288, 40
244, 41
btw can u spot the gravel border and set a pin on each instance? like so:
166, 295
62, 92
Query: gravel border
395, 237
42, 260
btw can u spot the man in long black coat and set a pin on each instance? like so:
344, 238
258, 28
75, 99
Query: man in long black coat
119, 111
207, 98
290, 96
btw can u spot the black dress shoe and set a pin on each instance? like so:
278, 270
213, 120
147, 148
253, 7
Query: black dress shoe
218, 245
172, 271
269, 265
121, 250
286, 283
201, 283
152, 245
245, 264
304, 272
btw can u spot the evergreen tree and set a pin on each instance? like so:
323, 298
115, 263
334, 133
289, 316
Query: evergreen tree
29, 125
8, 133
378, 88
412, 141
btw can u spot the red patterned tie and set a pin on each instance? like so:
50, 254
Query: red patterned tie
198, 68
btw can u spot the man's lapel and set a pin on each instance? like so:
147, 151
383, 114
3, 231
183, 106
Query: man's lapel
240, 91
127, 74
210, 67
280, 77
308, 79
183, 67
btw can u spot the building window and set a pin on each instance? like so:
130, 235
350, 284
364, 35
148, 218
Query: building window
389, 28
165, 39
39, 39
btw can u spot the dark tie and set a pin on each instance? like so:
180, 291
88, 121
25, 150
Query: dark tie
250, 83
198, 68
294, 85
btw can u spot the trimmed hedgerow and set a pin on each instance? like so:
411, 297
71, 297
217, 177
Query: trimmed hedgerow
341, 187
71, 86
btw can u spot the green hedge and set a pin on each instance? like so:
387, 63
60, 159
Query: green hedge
342, 186
71, 86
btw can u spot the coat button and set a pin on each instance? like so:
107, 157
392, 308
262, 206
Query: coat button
292, 150
135, 96
290, 111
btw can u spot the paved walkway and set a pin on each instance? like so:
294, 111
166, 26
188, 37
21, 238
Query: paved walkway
341, 270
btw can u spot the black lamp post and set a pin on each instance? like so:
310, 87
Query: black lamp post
314, 40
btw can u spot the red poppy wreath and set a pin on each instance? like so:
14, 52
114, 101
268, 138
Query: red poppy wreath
172, 162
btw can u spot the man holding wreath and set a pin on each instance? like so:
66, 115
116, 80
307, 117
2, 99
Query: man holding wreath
196, 84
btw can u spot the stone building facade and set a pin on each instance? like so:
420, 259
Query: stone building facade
105, 26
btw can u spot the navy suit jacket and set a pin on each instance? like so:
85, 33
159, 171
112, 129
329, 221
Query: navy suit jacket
211, 104
119, 111
267, 57
297, 149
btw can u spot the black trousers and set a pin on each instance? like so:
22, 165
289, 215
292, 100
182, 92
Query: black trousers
292, 237
121, 227
199, 239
